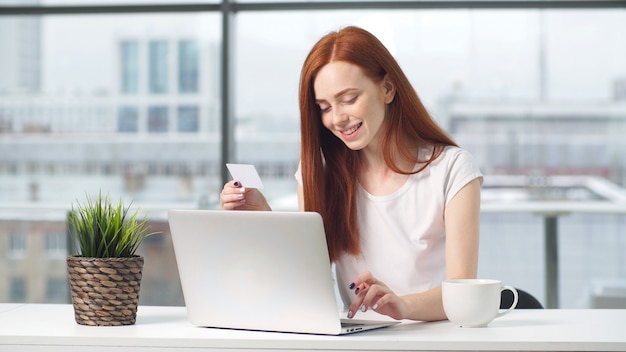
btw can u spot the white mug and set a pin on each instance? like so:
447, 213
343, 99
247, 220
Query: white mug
474, 302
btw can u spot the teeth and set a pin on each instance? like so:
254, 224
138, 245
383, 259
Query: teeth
352, 130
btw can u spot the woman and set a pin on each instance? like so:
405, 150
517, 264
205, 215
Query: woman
400, 201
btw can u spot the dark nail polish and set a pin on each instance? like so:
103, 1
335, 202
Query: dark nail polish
357, 290
236, 184
352, 285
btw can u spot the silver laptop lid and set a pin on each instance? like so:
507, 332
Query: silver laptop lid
255, 270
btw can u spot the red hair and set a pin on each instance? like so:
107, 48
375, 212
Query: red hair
329, 168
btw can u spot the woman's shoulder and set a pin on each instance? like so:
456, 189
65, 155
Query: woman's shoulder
455, 158
448, 153
457, 152
453, 150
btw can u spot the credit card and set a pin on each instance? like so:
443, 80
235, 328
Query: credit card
246, 174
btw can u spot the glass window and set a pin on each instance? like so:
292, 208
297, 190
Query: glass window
157, 119
56, 244
128, 119
503, 74
17, 245
188, 74
499, 81
513, 87
17, 289
86, 129
158, 66
130, 66
187, 119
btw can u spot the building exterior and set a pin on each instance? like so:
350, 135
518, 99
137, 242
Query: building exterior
20, 72
543, 138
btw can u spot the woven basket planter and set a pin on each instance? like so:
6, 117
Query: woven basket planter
105, 291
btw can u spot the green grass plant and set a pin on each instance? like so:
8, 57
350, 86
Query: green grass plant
103, 229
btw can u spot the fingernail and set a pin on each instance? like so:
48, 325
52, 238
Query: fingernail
362, 308
236, 184
349, 314
352, 285
242, 190
357, 290
375, 306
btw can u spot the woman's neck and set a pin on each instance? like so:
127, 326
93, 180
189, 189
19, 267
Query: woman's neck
376, 177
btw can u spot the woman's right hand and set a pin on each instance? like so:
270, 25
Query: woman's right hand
235, 196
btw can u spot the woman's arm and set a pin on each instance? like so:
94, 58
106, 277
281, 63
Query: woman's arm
462, 218
462, 215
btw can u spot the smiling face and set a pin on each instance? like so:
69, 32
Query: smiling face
351, 104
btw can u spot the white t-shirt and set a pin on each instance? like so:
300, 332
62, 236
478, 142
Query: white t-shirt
403, 234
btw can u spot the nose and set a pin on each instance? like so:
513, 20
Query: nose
340, 117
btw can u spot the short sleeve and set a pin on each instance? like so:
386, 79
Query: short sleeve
462, 169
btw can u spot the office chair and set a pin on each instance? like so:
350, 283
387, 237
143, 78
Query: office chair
524, 300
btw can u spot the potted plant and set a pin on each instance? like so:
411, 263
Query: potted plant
105, 274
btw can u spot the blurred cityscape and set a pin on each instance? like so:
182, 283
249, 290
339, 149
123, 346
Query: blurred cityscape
155, 142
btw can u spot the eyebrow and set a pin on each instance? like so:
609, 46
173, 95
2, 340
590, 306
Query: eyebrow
338, 94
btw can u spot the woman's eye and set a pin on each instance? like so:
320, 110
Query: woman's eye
324, 109
350, 100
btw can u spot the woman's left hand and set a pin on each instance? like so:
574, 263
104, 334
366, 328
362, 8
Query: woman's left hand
374, 294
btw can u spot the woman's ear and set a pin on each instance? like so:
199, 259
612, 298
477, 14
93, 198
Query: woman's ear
389, 89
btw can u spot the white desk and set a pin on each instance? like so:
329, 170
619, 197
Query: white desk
31, 327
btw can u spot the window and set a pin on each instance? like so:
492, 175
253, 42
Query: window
130, 66
17, 289
17, 245
139, 114
187, 119
128, 119
56, 244
158, 119
188, 66
158, 66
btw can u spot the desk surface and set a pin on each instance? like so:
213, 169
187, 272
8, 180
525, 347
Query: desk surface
26, 327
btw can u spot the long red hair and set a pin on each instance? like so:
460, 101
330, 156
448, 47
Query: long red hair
329, 168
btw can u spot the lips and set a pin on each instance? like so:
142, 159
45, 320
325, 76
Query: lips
351, 130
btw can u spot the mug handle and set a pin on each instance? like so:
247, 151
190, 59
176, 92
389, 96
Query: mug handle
502, 312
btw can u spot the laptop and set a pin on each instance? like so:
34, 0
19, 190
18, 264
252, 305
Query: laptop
258, 270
